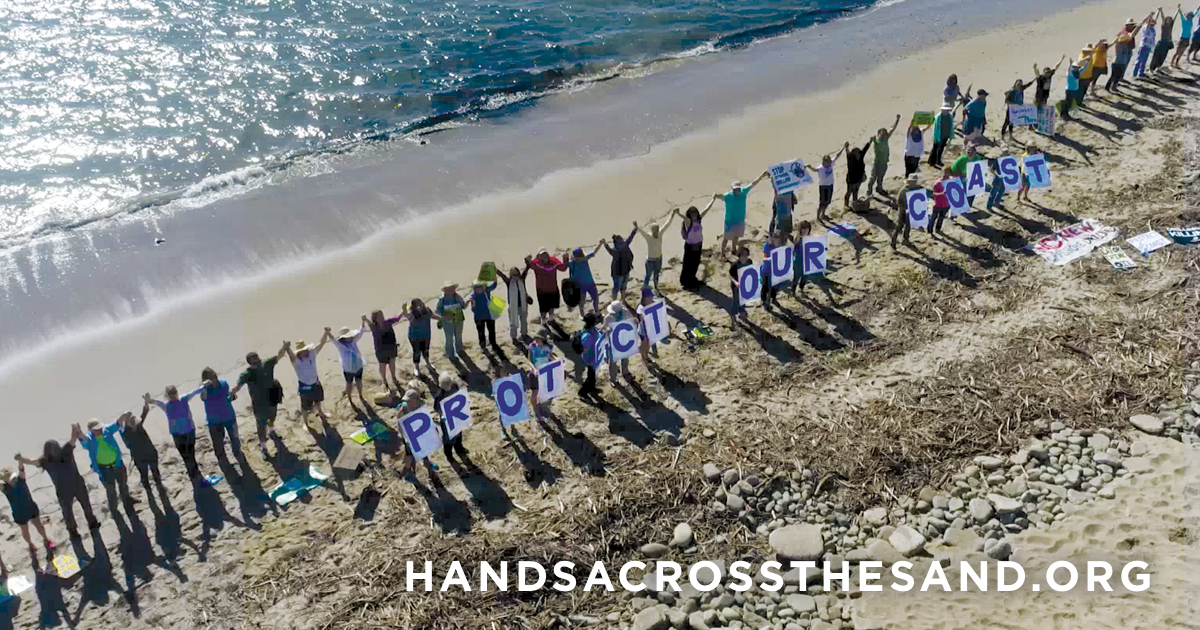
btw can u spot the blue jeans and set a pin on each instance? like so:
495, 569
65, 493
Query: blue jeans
619, 284
995, 196
1139, 68
454, 339
653, 270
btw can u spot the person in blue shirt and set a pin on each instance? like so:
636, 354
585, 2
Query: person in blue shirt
580, 270
996, 188
101, 444
735, 211
976, 118
1073, 92
481, 307
1186, 22
588, 340
219, 414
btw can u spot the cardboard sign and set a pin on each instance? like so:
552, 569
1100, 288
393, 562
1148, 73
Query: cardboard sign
420, 431
654, 320
1073, 242
1046, 120
509, 393
1010, 172
65, 566
1023, 115
552, 380
918, 208
1148, 242
15, 586
956, 194
976, 178
922, 119
624, 339
780, 265
456, 413
749, 285
814, 254
1037, 170
1117, 257
1184, 236
603, 350
790, 176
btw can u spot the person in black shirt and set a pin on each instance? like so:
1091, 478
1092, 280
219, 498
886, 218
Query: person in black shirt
735, 308
142, 450
1045, 76
24, 509
59, 463
856, 172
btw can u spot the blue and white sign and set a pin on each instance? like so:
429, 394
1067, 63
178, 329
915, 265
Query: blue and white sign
814, 254
918, 208
509, 393
749, 285
654, 316
420, 433
790, 176
956, 194
1023, 115
552, 380
782, 269
624, 339
1037, 171
1010, 172
976, 178
456, 413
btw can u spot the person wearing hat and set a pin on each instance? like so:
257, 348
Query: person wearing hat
59, 463
351, 357
451, 308
1088, 70
912, 183
481, 308
654, 256
541, 352
943, 133
1099, 63
622, 260
579, 269
976, 118
545, 282
304, 360
220, 416
647, 349
1123, 45
420, 333
735, 212
181, 426
1146, 40
412, 402
24, 509
107, 463
265, 393
1073, 92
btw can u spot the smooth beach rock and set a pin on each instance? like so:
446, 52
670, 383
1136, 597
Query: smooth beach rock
1147, 424
683, 536
907, 541
654, 550
801, 603
712, 472
980, 510
651, 619
734, 503
798, 542
876, 516
1003, 504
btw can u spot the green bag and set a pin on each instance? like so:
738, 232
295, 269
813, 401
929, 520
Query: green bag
106, 455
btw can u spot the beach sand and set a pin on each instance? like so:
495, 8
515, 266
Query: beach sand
816, 386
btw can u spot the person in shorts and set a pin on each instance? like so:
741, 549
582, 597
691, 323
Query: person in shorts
735, 211
265, 393
346, 343
420, 333
387, 348
24, 509
824, 181
304, 361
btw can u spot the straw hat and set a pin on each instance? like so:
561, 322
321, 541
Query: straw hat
303, 346
913, 179
345, 333
93, 424
735, 185
5, 474
1130, 22
449, 285
615, 307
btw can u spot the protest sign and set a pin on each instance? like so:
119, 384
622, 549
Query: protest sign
789, 176
1148, 242
814, 251
1037, 171
654, 315
1010, 172
603, 350
420, 433
845, 230
624, 339
956, 194
1023, 115
1117, 257
749, 285
976, 178
922, 119
780, 265
1046, 120
1073, 242
552, 380
918, 208
1185, 236
509, 393
456, 413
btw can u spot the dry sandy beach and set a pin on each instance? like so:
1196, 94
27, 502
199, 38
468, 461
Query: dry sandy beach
885, 384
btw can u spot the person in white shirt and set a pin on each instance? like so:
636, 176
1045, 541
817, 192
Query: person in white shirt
654, 255
914, 148
825, 180
304, 361
353, 363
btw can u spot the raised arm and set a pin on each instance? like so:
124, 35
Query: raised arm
25, 460
597, 250
604, 244
324, 339
632, 233
894, 125
707, 208
666, 224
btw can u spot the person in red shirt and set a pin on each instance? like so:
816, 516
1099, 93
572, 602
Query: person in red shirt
941, 204
545, 281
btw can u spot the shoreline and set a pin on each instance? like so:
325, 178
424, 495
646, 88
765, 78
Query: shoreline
218, 327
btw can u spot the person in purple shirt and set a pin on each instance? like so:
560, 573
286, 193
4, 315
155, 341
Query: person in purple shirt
179, 422
219, 414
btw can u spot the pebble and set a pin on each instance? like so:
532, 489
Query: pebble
1147, 424
683, 536
907, 541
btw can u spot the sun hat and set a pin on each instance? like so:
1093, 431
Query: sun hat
543, 333
615, 307
303, 346
5, 474
913, 179
345, 333
736, 185
479, 284
449, 285
93, 424
1130, 22
412, 393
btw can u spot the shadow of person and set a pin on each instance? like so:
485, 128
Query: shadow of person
168, 534
330, 441
577, 446
247, 490
622, 423
137, 554
487, 494
449, 513
98, 580
537, 471
212, 513
49, 590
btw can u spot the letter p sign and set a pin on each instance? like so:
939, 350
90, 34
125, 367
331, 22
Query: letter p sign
419, 432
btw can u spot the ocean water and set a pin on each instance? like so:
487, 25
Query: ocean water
155, 150
115, 107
